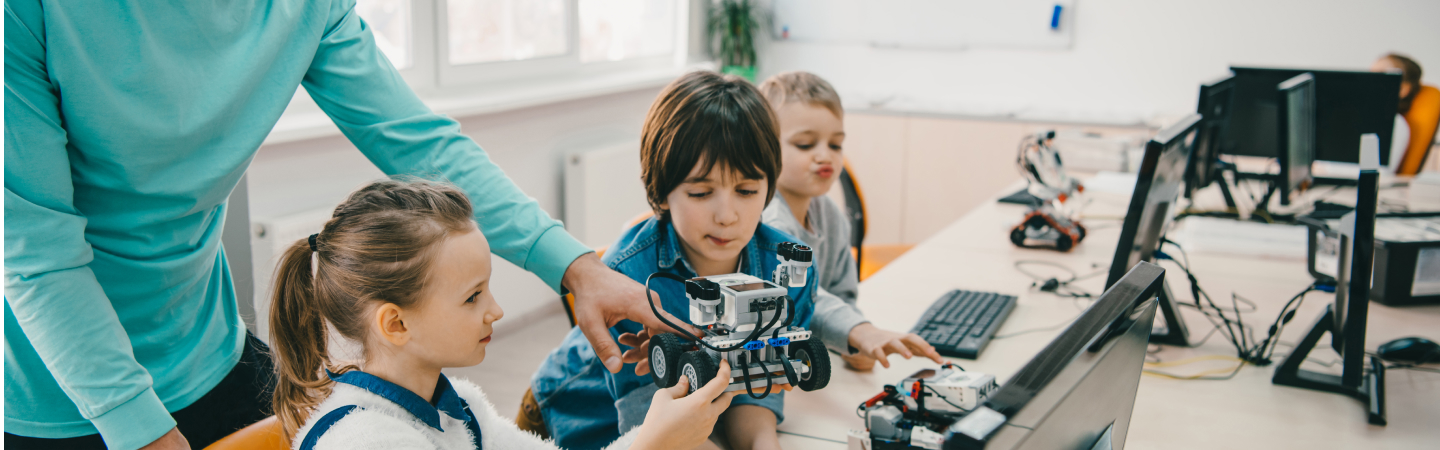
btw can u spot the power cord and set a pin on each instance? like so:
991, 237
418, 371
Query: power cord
1055, 285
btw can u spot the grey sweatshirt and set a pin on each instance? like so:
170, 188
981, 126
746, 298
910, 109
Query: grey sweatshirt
835, 268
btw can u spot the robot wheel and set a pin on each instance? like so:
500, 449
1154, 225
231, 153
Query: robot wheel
665, 351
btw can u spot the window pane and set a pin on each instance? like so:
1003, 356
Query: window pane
389, 20
613, 30
506, 30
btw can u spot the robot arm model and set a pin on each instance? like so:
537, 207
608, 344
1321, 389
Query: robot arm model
746, 321
1048, 224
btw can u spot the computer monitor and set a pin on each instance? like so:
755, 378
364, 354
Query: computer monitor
1078, 392
1295, 116
1152, 208
1214, 109
1345, 319
1347, 105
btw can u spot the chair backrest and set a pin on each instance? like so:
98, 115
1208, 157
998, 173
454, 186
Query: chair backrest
1423, 118
855, 207
266, 434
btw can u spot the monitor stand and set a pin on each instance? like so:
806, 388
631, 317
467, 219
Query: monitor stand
1371, 389
1174, 331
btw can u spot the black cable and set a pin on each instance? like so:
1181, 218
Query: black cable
1235, 330
745, 375
745, 370
753, 334
942, 398
1058, 287
1286, 314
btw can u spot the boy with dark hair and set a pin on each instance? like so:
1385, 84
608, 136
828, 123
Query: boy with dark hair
710, 160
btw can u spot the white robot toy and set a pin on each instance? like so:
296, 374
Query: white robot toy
747, 321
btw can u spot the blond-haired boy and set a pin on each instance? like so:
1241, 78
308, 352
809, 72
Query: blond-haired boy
812, 131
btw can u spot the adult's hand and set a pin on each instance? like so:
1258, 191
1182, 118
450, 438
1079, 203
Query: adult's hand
170, 441
603, 298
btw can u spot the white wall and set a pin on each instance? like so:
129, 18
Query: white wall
1131, 60
529, 144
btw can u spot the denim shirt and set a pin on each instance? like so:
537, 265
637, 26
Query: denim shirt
586, 406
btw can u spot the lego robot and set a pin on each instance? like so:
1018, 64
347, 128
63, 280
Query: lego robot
746, 321
915, 413
1048, 224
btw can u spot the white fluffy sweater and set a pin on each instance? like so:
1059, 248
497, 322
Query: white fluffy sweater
381, 424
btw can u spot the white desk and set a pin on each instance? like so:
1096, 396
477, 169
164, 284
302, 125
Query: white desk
1245, 412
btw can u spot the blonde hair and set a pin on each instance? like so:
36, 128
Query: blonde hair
803, 87
376, 248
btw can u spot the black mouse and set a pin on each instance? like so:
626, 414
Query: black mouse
1415, 350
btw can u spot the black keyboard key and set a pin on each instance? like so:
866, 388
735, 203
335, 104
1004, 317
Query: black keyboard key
960, 323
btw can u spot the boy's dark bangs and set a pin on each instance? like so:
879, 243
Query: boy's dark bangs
728, 137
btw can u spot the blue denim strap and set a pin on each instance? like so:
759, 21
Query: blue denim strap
474, 426
323, 425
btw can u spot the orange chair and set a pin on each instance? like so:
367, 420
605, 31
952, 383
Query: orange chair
1423, 118
568, 300
263, 435
871, 258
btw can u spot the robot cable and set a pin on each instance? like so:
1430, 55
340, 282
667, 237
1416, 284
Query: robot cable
754, 334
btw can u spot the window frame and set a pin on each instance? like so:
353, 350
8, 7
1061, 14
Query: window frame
551, 68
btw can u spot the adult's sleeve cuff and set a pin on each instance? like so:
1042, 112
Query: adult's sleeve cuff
135, 423
552, 254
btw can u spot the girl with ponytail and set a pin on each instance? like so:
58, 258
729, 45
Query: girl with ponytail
402, 270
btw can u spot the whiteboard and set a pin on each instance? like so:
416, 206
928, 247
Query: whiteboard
928, 24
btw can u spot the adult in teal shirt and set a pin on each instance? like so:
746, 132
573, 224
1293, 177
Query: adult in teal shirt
127, 124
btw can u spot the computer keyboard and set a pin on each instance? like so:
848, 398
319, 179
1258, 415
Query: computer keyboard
960, 323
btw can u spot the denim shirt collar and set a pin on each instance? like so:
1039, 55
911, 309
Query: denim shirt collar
670, 252
446, 399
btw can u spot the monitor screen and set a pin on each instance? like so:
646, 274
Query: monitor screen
1157, 187
1080, 389
1296, 115
1347, 105
1214, 109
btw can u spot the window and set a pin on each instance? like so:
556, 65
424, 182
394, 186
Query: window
484, 42
484, 31
616, 30
462, 56
390, 22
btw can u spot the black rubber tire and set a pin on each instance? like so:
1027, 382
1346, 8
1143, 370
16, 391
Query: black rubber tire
698, 368
1064, 243
813, 354
1017, 236
665, 351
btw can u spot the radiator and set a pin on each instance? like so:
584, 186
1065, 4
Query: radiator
268, 241
603, 193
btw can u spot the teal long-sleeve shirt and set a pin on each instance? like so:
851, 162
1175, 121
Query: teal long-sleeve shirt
127, 124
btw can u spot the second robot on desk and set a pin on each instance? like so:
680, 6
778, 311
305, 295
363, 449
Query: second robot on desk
747, 321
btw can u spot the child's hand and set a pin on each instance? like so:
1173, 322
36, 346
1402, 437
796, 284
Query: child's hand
640, 351
676, 420
876, 343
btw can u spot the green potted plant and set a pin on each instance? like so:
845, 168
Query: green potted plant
733, 27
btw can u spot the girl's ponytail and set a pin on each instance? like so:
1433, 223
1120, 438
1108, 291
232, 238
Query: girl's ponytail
297, 337
375, 249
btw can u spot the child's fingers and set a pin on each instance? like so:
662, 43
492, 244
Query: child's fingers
879, 354
680, 388
721, 403
712, 390
635, 339
918, 344
898, 346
